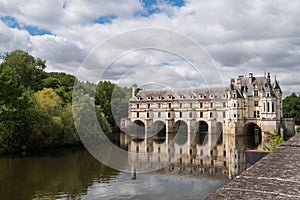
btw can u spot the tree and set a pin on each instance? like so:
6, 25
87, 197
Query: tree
50, 129
25, 69
103, 97
119, 103
291, 106
16, 113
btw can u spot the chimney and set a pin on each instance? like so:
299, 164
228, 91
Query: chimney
250, 78
134, 87
269, 78
239, 81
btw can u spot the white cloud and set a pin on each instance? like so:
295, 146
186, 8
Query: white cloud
241, 36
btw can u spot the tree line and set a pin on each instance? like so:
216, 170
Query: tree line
36, 106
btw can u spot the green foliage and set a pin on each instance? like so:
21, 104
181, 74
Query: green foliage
276, 140
30, 116
36, 106
291, 106
103, 96
119, 103
25, 69
16, 112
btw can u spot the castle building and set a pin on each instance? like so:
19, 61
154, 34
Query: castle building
249, 106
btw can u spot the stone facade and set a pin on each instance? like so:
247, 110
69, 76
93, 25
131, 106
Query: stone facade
250, 104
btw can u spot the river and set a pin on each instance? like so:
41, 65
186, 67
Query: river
75, 174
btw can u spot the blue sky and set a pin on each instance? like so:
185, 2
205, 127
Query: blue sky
12, 22
240, 36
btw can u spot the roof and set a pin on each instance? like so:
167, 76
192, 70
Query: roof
187, 93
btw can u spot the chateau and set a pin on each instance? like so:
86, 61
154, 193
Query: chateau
250, 105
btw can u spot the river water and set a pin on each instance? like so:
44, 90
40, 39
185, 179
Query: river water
74, 174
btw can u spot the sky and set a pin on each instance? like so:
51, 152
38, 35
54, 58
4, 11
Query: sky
238, 37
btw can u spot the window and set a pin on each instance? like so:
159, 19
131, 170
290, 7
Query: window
148, 115
170, 105
273, 107
264, 107
191, 105
256, 114
137, 114
224, 104
169, 114
211, 105
256, 93
180, 105
137, 106
268, 107
210, 114
158, 114
201, 114
180, 114
201, 105
148, 105
234, 115
255, 103
234, 105
158, 105
224, 114
191, 114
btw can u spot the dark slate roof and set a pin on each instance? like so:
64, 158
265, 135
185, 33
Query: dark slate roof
189, 93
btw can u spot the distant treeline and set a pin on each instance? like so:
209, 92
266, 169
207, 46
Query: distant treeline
36, 106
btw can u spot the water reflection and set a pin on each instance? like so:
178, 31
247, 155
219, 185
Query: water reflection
225, 158
56, 174
75, 174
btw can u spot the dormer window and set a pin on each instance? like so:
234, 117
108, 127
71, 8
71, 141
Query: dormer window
181, 96
170, 97
149, 98
159, 97
138, 98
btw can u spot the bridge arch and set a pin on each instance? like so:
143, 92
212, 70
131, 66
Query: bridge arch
181, 131
158, 130
138, 130
253, 134
202, 132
